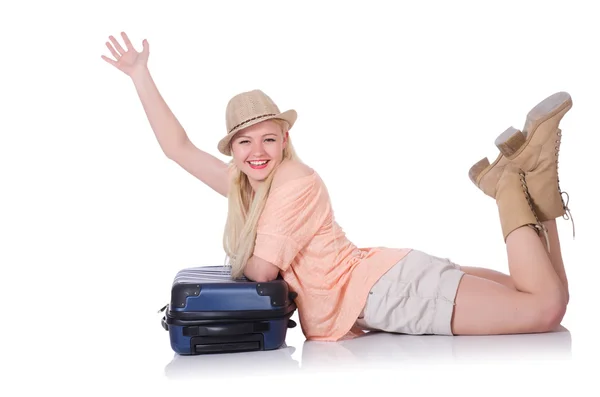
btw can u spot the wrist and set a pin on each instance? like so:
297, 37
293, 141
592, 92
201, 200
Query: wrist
140, 74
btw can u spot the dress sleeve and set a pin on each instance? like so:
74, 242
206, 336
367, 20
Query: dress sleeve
293, 214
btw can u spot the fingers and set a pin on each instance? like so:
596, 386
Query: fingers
127, 41
117, 51
112, 51
118, 47
107, 59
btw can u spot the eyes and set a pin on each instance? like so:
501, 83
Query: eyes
244, 141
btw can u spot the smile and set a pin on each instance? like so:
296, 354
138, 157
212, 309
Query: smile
258, 164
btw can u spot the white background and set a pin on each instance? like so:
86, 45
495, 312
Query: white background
396, 100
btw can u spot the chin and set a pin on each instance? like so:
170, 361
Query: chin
258, 175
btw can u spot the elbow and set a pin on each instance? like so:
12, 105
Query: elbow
169, 153
265, 278
173, 150
260, 271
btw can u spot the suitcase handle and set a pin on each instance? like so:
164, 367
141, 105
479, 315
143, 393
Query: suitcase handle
229, 329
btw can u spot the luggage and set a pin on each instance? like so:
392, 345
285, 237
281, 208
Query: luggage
211, 313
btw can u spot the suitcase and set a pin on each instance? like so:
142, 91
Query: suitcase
209, 312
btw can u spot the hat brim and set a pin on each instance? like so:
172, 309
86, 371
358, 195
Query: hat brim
288, 116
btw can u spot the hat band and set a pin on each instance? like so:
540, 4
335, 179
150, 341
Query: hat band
252, 119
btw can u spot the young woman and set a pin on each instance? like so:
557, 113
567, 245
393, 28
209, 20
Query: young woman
280, 221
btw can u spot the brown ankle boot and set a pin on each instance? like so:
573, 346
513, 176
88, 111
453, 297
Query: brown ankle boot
514, 203
535, 152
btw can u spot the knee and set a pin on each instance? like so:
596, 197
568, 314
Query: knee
551, 314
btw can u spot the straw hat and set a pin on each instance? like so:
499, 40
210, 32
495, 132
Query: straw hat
249, 108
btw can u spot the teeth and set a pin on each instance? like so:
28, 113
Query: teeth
258, 162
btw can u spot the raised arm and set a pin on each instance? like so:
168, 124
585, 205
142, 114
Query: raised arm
171, 136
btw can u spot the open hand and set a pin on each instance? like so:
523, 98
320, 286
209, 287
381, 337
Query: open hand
127, 61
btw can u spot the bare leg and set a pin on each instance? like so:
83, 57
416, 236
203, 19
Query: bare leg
555, 254
487, 307
490, 274
555, 257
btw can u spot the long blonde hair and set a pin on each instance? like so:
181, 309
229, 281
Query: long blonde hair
245, 208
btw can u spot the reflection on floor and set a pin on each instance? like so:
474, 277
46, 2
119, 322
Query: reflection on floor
376, 349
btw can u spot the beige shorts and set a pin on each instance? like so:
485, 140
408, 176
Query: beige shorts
415, 297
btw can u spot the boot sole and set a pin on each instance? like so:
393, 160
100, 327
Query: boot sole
512, 141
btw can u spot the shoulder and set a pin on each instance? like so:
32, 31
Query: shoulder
289, 172
296, 194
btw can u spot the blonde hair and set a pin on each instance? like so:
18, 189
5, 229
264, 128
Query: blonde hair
244, 209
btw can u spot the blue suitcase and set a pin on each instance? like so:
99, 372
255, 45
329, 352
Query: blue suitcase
209, 312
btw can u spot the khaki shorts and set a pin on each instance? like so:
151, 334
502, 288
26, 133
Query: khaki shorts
415, 297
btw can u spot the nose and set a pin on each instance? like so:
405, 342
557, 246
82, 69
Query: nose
257, 148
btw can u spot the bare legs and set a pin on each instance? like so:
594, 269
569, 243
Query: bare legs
555, 258
538, 304
490, 274
556, 254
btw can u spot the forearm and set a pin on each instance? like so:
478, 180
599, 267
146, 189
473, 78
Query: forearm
167, 129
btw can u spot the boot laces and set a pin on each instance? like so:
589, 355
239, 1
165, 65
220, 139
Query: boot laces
539, 226
567, 215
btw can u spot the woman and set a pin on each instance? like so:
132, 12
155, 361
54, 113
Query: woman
280, 222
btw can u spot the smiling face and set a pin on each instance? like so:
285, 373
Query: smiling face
258, 149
